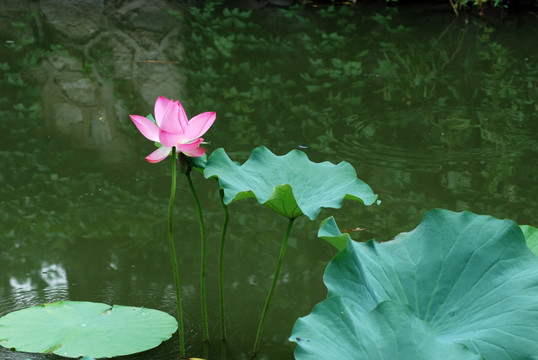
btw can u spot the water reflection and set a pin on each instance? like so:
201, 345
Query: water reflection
17, 285
53, 275
437, 115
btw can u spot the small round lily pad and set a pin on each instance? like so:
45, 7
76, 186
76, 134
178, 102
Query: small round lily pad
77, 328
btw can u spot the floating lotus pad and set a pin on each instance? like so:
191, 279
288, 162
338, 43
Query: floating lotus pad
459, 286
73, 329
291, 184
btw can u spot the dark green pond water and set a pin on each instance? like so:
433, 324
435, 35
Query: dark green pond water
433, 111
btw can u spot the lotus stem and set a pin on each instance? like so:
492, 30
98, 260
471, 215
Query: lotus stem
221, 261
205, 327
174, 257
454, 7
272, 289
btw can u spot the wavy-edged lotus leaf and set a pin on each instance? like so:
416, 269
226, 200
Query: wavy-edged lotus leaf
531, 236
78, 328
469, 279
290, 184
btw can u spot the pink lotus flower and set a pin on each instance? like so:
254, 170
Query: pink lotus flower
173, 128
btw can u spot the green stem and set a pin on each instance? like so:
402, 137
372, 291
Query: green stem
272, 289
454, 7
174, 257
205, 326
221, 257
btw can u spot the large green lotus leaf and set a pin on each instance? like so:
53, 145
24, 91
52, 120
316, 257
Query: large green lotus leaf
470, 279
73, 329
389, 331
291, 184
531, 236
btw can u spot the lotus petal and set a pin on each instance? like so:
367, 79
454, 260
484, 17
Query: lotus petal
192, 149
169, 139
146, 127
167, 115
159, 154
199, 125
182, 117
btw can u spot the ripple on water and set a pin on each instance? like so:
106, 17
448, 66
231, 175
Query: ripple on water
20, 297
429, 139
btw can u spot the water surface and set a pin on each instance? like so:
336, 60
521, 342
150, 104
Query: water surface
432, 111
